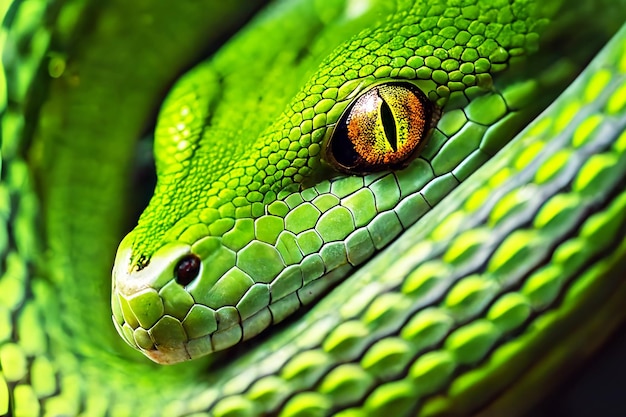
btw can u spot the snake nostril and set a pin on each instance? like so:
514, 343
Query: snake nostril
187, 269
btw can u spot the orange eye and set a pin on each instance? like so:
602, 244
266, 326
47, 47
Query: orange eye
382, 129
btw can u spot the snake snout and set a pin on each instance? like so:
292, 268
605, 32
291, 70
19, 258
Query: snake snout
149, 306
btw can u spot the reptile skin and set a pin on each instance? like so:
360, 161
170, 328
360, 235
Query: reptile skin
453, 286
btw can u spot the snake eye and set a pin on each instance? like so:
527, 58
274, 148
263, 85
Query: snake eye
187, 269
382, 129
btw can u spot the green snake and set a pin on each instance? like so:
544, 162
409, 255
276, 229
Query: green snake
361, 207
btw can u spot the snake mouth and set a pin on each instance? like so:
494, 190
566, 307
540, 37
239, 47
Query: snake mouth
140, 315
171, 340
156, 315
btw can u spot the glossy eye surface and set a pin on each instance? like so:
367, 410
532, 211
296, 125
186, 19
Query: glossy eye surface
187, 269
382, 129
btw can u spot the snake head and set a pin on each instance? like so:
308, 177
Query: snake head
260, 212
199, 275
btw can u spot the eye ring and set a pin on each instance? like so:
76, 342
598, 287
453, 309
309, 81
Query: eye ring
383, 128
187, 269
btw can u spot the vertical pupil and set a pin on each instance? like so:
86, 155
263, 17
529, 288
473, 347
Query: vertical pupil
389, 124
187, 269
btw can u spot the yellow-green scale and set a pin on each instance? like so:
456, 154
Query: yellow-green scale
111, 384
215, 218
263, 162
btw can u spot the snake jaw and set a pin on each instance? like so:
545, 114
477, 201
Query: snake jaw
168, 356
